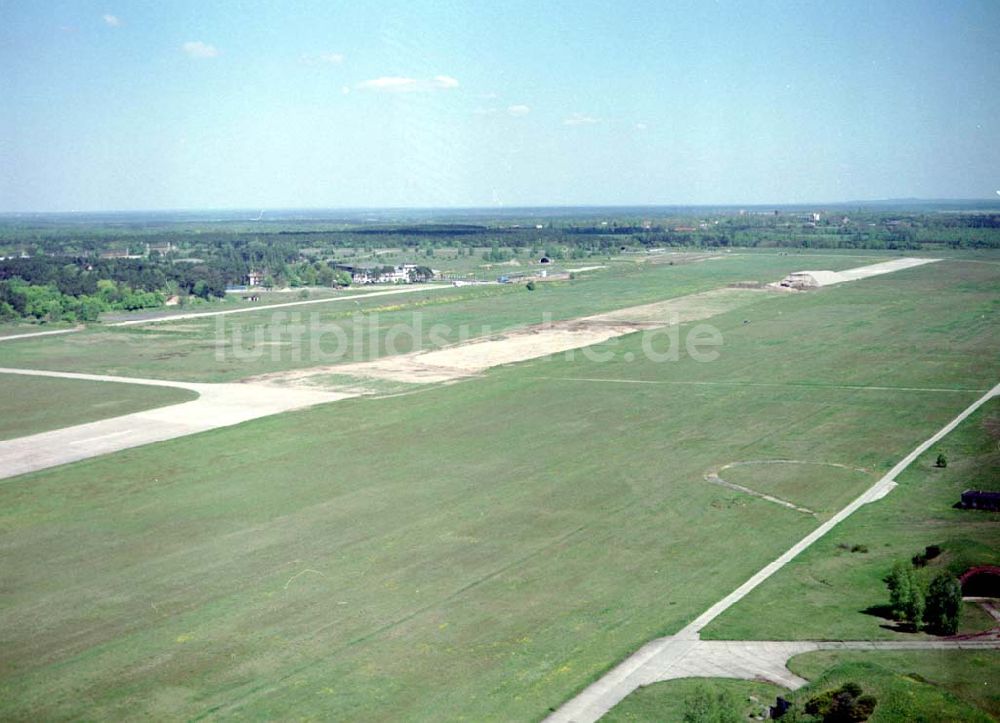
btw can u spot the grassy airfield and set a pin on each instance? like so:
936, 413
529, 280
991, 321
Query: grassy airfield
38, 404
480, 550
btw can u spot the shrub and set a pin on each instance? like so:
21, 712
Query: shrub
929, 553
530, 286
944, 604
942, 461
846, 703
906, 596
704, 707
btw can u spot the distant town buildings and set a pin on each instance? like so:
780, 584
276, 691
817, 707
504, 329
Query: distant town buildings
120, 254
404, 274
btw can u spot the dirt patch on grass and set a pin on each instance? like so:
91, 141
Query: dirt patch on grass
533, 342
772, 483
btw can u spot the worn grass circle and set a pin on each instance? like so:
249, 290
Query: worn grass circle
816, 487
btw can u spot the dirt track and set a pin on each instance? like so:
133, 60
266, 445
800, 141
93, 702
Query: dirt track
533, 342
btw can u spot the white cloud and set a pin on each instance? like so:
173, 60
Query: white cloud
329, 58
445, 81
400, 84
641, 126
390, 84
198, 49
518, 110
112, 20
580, 119
485, 111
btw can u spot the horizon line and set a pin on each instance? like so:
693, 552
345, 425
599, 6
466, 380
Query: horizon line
722, 205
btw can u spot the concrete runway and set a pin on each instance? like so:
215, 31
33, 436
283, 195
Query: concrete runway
218, 405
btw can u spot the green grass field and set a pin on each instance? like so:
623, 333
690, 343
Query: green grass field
914, 685
822, 488
928, 685
667, 702
189, 349
39, 404
829, 592
481, 550
12, 328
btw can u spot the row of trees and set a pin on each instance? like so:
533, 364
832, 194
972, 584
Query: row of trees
20, 300
84, 276
236, 246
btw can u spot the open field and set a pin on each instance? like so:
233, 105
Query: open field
188, 349
830, 592
508, 539
928, 684
822, 488
666, 702
934, 685
901, 681
12, 332
35, 404
535, 342
275, 301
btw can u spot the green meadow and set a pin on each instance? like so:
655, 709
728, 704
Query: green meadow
933, 685
830, 592
926, 685
39, 404
668, 701
479, 550
226, 348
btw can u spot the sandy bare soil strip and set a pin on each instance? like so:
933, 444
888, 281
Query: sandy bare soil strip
659, 657
218, 405
533, 342
265, 307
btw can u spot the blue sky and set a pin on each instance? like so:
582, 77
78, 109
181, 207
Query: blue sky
118, 105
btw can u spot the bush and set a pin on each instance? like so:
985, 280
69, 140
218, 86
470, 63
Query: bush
530, 286
704, 707
942, 461
846, 703
944, 605
906, 596
929, 553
